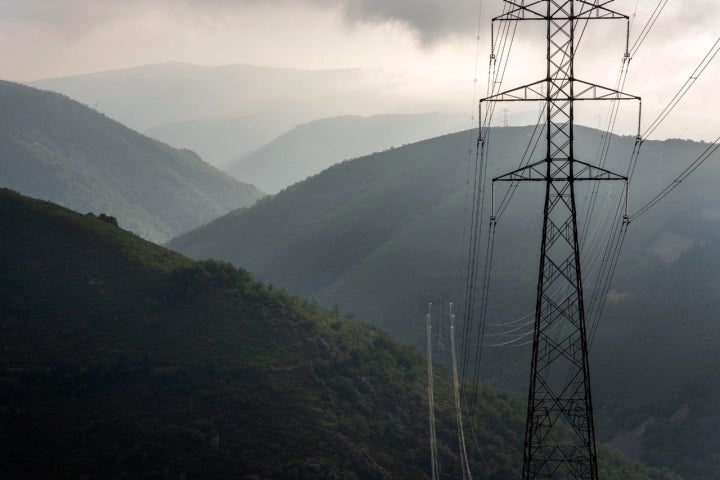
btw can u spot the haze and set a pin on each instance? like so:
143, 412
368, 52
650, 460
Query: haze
425, 52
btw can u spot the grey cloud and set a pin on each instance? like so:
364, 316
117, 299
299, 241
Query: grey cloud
52, 11
432, 20
435, 19
69, 17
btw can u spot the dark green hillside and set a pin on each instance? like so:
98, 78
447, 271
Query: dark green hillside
54, 148
669, 323
121, 359
384, 234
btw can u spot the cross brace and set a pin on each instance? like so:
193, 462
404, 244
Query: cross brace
588, 11
581, 91
540, 172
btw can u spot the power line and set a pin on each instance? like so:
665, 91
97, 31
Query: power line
611, 253
483, 313
707, 153
702, 66
647, 27
473, 260
512, 322
464, 464
614, 107
434, 463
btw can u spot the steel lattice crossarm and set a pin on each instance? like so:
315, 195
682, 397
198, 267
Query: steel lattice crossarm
581, 91
559, 170
531, 10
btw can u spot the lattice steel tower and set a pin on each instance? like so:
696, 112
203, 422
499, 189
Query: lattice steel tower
559, 437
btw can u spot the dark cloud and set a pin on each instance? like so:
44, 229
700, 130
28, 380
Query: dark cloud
432, 20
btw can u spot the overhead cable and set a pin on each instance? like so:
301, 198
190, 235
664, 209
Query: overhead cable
706, 154
707, 59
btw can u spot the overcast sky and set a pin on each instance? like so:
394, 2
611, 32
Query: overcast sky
427, 46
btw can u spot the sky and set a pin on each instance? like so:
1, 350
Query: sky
432, 48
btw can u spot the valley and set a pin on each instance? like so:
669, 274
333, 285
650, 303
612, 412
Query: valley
363, 240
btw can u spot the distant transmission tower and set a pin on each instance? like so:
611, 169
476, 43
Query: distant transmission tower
559, 436
434, 464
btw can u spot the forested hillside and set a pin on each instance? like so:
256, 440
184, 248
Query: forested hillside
122, 359
56, 149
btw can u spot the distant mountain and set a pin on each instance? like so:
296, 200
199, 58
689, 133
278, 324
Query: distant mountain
383, 235
310, 148
121, 359
222, 140
224, 111
319, 235
54, 148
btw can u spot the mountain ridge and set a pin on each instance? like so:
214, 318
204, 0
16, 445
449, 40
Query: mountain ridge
265, 102
55, 148
310, 148
151, 66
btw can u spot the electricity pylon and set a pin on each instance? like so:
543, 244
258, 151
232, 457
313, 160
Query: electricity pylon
559, 436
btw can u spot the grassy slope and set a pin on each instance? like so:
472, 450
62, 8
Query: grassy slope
57, 149
121, 359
